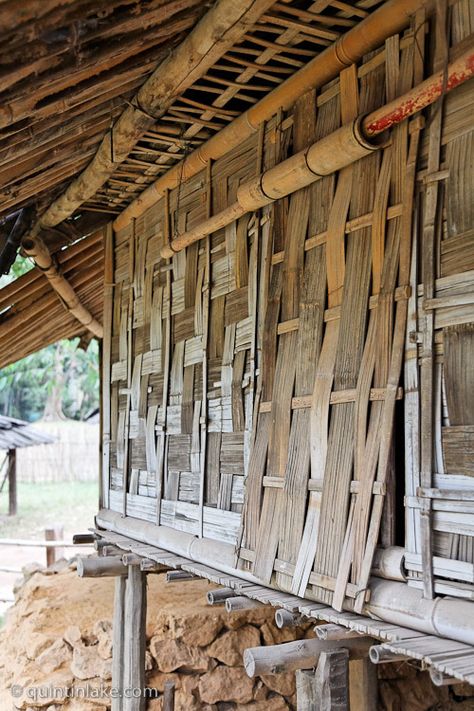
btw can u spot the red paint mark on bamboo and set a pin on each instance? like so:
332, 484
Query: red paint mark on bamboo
420, 97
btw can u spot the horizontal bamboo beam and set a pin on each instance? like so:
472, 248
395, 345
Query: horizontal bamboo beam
300, 654
370, 33
339, 149
38, 251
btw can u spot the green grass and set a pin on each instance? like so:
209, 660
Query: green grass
73, 504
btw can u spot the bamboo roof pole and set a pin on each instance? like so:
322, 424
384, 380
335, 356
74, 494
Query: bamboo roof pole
37, 250
370, 33
222, 26
341, 148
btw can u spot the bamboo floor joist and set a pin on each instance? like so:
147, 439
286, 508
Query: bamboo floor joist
457, 661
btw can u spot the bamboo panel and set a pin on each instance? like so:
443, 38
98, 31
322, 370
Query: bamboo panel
255, 375
446, 301
182, 333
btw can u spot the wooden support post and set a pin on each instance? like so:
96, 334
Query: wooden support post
118, 644
135, 640
326, 689
168, 696
53, 533
363, 685
12, 493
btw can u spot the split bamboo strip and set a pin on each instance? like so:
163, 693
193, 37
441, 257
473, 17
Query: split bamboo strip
390, 18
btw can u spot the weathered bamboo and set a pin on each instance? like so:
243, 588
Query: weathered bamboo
300, 654
285, 618
388, 563
117, 642
135, 639
390, 601
327, 688
367, 35
222, 26
38, 251
175, 576
379, 655
100, 567
232, 604
335, 633
79, 539
219, 596
338, 150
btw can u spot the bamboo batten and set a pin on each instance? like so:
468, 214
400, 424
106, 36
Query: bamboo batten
392, 17
37, 250
345, 146
225, 23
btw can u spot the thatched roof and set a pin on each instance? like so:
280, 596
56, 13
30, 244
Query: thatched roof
15, 434
70, 70
32, 316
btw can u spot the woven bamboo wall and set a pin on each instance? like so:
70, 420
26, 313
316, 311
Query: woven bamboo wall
255, 376
439, 370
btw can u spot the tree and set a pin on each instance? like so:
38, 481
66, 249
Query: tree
61, 380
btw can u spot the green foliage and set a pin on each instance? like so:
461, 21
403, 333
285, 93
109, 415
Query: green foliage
62, 372
21, 266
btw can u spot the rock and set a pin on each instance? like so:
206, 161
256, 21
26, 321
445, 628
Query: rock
283, 684
415, 694
230, 646
86, 663
148, 661
93, 691
103, 631
202, 633
254, 616
260, 691
157, 680
41, 694
35, 644
172, 654
30, 569
73, 636
54, 656
226, 684
155, 704
195, 630
272, 635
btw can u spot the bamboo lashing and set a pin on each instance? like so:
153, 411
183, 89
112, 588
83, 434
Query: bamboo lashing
390, 18
343, 147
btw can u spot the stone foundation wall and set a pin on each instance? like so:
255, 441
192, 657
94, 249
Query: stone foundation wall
57, 640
